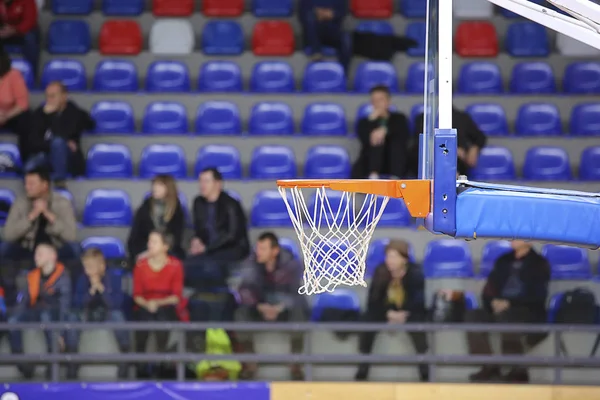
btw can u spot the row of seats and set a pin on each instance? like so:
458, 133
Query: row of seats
277, 118
317, 77
268, 8
277, 38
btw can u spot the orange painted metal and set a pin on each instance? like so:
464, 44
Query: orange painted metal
415, 192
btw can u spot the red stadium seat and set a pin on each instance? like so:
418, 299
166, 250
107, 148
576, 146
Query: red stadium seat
476, 39
172, 8
222, 8
122, 37
371, 8
273, 38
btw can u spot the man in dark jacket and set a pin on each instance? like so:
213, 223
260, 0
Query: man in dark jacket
19, 26
56, 131
221, 234
99, 298
515, 292
384, 137
269, 292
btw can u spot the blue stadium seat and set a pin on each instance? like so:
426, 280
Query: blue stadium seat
324, 119
567, 262
220, 76
584, 119
273, 162
340, 299
417, 31
165, 159
224, 158
218, 118
374, 26
490, 253
72, 7
7, 197
222, 38
163, 117
582, 78
113, 117
447, 258
324, 77
271, 118
372, 73
272, 77
413, 8
25, 68
527, 39
545, 163
122, 7
107, 207
291, 246
327, 162
532, 78
589, 164
111, 247
115, 76
9, 154
538, 119
269, 210
415, 79
490, 118
376, 254
272, 8
480, 77
495, 164
395, 214
168, 76
69, 37
109, 161
70, 72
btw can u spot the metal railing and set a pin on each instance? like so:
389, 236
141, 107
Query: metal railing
181, 356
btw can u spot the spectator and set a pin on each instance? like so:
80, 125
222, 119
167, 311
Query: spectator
269, 292
57, 126
19, 21
46, 298
157, 291
322, 22
162, 211
99, 297
39, 216
384, 137
14, 103
221, 236
515, 292
470, 141
396, 295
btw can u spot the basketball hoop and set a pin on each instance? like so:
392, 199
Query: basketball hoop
335, 221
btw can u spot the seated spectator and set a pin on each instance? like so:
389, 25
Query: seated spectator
99, 298
470, 141
384, 137
14, 103
269, 292
396, 295
19, 21
162, 212
515, 292
322, 23
157, 291
46, 298
56, 131
39, 216
221, 235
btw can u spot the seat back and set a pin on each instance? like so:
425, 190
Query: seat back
271, 118
113, 117
163, 159
327, 162
168, 76
120, 37
164, 117
220, 76
222, 38
272, 77
172, 37
218, 117
109, 161
324, 119
538, 119
115, 76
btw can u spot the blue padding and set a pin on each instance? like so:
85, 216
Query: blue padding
444, 182
516, 212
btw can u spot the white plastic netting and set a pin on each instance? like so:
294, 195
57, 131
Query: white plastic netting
334, 229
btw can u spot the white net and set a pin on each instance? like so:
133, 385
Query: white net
334, 229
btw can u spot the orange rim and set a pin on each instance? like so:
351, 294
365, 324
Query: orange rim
415, 192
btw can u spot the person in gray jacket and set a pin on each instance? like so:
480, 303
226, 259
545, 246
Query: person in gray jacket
39, 216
